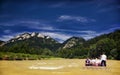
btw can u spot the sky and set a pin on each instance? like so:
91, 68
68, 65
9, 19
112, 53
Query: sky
60, 19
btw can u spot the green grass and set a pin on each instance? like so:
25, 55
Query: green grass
70, 67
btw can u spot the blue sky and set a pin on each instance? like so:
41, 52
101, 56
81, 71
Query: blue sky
60, 19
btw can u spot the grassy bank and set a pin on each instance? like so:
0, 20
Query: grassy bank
22, 56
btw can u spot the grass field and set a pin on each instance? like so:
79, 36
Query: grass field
57, 67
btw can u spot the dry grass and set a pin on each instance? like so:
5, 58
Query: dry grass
70, 67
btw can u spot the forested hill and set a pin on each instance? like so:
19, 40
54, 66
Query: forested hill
72, 42
108, 43
34, 43
74, 47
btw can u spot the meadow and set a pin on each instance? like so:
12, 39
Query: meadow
57, 67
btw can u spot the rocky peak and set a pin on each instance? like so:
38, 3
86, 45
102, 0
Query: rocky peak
40, 35
73, 41
33, 34
27, 36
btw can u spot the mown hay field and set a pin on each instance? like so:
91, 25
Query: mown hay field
57, 67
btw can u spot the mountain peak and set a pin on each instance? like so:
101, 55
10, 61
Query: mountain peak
27, 35
41, 35
33, 34
73, 41
35, 40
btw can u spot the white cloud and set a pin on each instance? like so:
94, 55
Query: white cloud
114, 28
87, 31
23, 23
85, 36
8, 24
92, 34
44, 27
76, 31
6, 37
60, 36
108, 9
30, 22
37, 25
33, 24
75, 18
7, 31
57, 5
108, 31
88, 34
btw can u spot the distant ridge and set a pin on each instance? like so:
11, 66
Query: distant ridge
40, 44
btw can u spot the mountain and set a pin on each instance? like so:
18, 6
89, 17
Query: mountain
33, 43
74, 47
108, 43
115, 35
72, 42
26, 36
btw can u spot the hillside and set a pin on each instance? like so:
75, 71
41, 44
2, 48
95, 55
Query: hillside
2, 43
72, 42
33, 43
108, 43
74, 47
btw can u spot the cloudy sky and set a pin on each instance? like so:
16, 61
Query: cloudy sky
59, 19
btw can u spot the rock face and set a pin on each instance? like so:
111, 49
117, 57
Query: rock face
43, 41
69, 44
40, 41
73, 41
40, 35
33, 40
33, 34
25, 36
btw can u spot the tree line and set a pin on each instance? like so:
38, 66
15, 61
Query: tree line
93, 48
